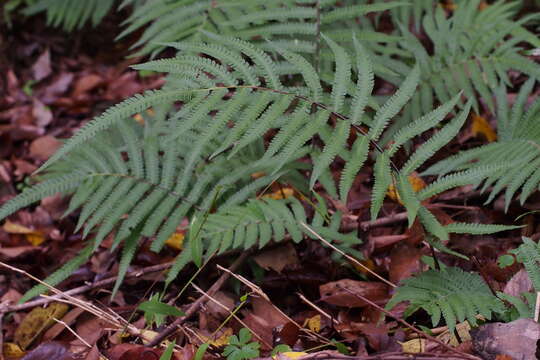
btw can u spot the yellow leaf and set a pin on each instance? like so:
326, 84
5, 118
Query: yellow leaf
220, 341
480, 126
313, 323
176, 241
12, 350
13, 228
414, 346
37, 321
290, 355
280, 194
416, 182
35, 239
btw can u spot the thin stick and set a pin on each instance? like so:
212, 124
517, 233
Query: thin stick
85, 288
257, 290
350, 258
318, 309
215, 301
194, 307
73, 332
406, 324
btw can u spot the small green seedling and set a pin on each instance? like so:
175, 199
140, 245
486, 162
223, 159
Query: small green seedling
156, 311
240, 347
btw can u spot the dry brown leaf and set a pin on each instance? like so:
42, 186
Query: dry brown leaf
278, 258
42, 148
87, 83
42, 67
334, 292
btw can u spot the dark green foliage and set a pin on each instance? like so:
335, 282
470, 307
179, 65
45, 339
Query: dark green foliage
451, 294
70, 14
518, 145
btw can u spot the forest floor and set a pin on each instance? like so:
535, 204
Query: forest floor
51, 84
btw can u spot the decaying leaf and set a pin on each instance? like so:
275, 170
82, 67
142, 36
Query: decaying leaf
34, 237
37, 321
279, 194
480, 126
277, 259
12, 350
344, 292
416, 182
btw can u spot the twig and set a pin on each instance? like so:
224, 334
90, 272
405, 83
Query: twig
258, 291
406, 324
215, 301
350, 258
84, 288
73, 332
318, 309
194, 307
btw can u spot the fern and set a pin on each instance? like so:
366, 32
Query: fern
450, 294
289, 23
188, 159
518, 146
71, 14
473, 51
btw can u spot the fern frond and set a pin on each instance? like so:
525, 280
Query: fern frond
454, 293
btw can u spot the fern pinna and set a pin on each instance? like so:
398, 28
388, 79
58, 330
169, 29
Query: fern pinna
473, 50
205, 140
518, 144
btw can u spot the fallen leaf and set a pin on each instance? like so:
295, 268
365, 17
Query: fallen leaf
176, 241
289, 355
283, 193
134, 352
12, 350
341, 293
278, 258
222, 340
14, 228
414, 346
44, 147
42, 67
416, 182
34, 237
41, 113
36, 322
480, 126
87, 83
313, 323
50, 351
404, 262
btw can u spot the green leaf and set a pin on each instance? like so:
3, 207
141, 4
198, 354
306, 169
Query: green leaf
159, 308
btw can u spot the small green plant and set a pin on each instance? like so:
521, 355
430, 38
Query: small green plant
155, 311
240, 347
